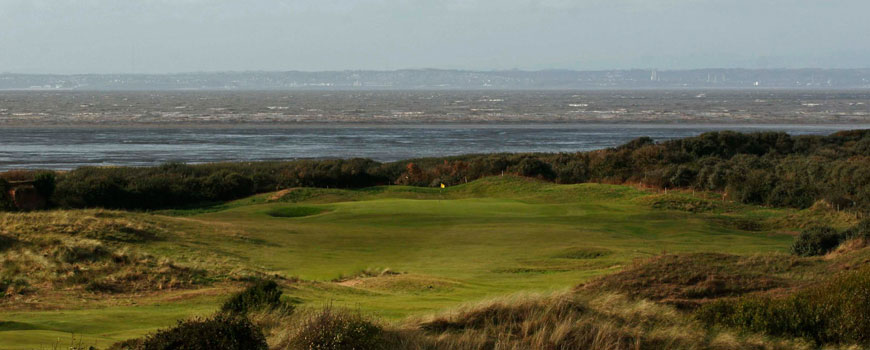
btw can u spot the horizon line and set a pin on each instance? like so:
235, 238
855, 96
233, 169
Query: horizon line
450, 70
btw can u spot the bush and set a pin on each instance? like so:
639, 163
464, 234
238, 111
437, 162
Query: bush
263, 294
333, 329
224, 332
535, 167
836, 311
44, 182
816, 241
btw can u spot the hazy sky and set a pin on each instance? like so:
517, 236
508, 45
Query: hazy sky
156, 36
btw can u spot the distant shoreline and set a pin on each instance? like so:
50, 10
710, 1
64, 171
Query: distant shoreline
450, 79
449, 125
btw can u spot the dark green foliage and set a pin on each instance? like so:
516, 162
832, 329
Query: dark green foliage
224, 185
44, 182
533, 167
791, 194
179, 185
262, 295
816, 241
764, 168
223, 331
835, 311
335, 329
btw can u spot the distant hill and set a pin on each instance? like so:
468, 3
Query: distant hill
423, 79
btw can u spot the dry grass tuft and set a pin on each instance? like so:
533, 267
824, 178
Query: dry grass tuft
83, 250
569, 321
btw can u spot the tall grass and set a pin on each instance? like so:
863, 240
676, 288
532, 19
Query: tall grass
84, 250
564, 320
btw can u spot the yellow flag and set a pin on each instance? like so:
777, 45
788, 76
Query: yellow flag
442, 185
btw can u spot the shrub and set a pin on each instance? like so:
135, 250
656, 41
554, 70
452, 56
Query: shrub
223, 331
263, 294
682, 176
335, 329
836, 311
816, 241
535, 167
225, 185
44, 182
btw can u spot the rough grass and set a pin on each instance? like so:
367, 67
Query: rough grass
100, 225
688, 280
563, 320
84, 250
574, 321
820, 214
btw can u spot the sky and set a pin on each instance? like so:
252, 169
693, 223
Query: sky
167, 36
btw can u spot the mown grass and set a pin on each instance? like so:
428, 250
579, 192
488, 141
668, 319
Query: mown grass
471, 242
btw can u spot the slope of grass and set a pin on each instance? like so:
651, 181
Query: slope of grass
471, 242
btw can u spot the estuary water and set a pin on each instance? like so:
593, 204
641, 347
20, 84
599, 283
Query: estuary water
58, 147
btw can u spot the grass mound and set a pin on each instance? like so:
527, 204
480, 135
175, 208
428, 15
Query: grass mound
819, 215
690, 279
682, 202
310, 194
114, 226
294, 211
84, 250
574, 321
836, 311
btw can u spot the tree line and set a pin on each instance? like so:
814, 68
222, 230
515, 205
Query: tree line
766, 168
